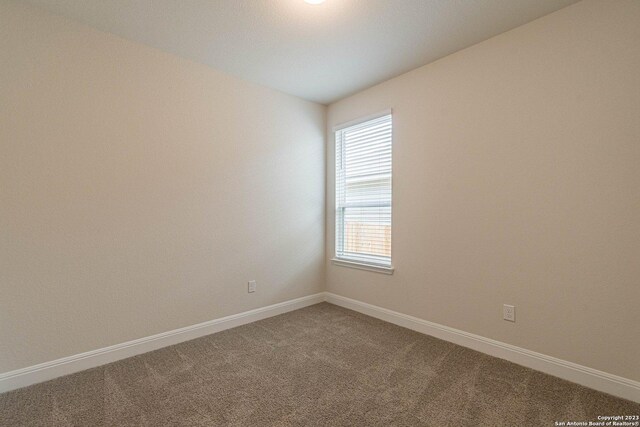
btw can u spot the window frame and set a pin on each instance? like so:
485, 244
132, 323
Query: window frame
345, 261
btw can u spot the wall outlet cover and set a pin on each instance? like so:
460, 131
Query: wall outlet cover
252, 286
509, 312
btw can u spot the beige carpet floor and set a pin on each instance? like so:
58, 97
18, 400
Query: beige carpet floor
319, 366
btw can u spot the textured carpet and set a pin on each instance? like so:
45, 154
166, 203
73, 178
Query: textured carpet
322, 365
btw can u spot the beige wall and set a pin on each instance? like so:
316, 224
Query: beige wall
517, 180
139, 192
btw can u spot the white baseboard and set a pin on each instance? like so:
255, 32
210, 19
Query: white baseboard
588, 377
79, 362
592, 378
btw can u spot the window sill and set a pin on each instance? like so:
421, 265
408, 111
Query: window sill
362, 266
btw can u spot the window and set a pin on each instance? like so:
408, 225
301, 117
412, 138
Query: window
363, 193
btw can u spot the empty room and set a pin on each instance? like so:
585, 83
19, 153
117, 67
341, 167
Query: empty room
320, 213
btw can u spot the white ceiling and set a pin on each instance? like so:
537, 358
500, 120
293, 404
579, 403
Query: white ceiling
321, 53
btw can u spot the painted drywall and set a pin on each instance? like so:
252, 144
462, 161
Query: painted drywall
297, 47
139, 192
517, 181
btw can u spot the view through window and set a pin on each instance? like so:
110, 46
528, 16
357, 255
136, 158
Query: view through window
363, 192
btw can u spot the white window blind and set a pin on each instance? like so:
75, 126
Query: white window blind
363, 192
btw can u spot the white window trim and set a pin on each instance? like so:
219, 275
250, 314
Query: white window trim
349, 263
360, 266
359, 120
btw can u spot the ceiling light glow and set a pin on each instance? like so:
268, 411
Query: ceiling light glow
314, 1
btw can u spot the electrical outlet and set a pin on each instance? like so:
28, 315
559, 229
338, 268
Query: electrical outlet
252, 286
509, 313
